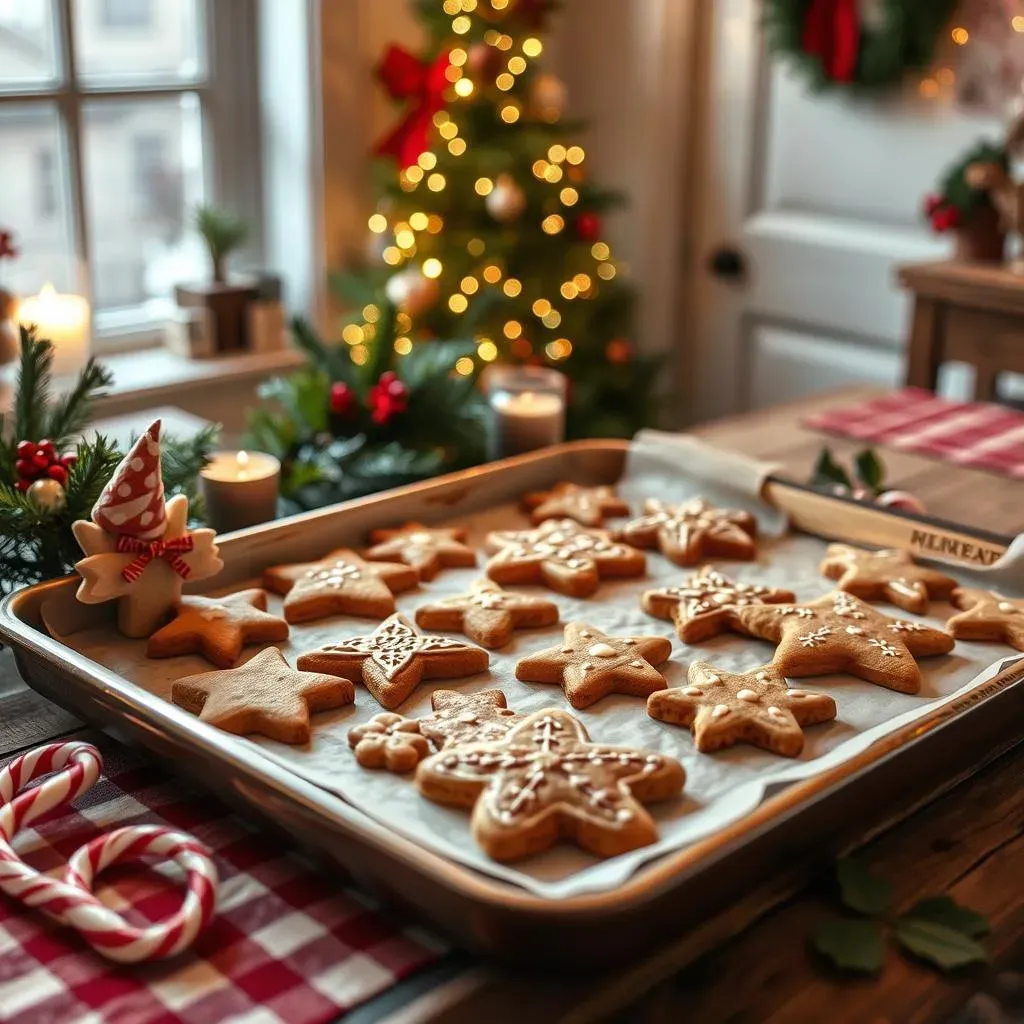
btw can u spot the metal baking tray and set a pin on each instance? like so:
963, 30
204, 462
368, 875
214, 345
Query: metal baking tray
677, 894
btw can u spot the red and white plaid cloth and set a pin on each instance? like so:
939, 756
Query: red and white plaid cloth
286, 945
967, 433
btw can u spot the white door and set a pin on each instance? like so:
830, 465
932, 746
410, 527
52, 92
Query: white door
815, 198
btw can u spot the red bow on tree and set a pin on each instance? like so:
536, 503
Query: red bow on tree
832, 34
406, 77
169, 550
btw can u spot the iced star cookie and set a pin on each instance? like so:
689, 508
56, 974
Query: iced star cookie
753, 707
546, 781
561, 555
487, 614
888, 575
588, 506
341, 584
427, 549
589, 665
394, 659
467, 718
695, 530
389, 741
839, 633
987, 616
218, 628
705, 604
265, 695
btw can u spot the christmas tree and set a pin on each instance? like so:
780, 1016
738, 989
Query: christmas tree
487, 223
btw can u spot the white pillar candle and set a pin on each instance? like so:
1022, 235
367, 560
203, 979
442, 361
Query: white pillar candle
64, 321
240, 489
527, 409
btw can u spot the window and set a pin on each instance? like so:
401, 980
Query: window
112, 137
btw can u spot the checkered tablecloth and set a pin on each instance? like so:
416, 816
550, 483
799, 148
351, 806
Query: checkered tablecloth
287, 943
966, 433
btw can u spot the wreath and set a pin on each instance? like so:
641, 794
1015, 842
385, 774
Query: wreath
859, 45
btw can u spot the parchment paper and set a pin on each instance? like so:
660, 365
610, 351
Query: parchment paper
720, 788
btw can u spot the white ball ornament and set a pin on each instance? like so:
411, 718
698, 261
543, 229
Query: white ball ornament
411, 291
547, 97
506, 201
47, 494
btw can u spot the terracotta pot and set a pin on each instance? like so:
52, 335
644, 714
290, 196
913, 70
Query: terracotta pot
982, 239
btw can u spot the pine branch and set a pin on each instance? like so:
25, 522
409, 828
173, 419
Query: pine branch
183, 460
96, 462
71, 413
33, 389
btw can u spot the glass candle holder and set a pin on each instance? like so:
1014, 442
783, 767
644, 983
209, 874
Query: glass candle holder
240, 489
527, 409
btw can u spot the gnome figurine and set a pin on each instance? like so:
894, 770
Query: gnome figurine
139, 551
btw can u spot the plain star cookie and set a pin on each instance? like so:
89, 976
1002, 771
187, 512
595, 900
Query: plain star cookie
987, 616
467, 718
265, 695
688, 533
546, 781
218, 628
427, 549
394, 659
589, 665
722, 708
561, 555
888, 575
389, 741
839, 633
588, 506
705, 604
487, 614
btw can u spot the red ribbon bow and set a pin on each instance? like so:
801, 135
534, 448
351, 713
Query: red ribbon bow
406, 77
169, 550
832, 34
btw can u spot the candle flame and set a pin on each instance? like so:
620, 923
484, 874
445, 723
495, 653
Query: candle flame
47, 291
243, 458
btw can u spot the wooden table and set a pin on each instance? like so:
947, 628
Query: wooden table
969, 842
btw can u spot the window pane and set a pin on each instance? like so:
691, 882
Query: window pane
27, 51
143, 178
34, 198
129, 40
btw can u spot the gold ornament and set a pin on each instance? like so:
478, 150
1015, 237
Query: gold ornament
47, 494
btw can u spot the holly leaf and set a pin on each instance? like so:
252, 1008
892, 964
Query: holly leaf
828, 471
870, 470
945, 947
860, 890
946, 911
851, 945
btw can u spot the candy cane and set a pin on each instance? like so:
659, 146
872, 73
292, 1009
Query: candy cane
72, 901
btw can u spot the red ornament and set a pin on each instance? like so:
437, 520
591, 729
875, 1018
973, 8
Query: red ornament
619, 350
945, 218
57, 472
343, 399
39, 459
831, 32
388, 398
588, 226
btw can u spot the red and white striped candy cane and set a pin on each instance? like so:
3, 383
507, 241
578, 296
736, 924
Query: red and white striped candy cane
72, 901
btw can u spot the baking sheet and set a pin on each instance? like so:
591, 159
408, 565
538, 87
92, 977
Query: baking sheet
720, 789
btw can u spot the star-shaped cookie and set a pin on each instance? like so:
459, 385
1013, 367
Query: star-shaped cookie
561, 555
722, 708
218, 628
264, 695
426, 548
705, 604
695, 530
888, 575
467, 718
341, 584
987, 616
487, 614
586, 505
839, 633
589, 665
394, 658
546, 781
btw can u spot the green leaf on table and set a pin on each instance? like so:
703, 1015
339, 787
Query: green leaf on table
946, 911
870, 469
828, 471
945, 947
851, 945
860, 890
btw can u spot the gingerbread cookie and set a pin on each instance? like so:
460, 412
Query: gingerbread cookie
467, 717
394, 658
589, 665
687, 533
561, 555
705, 604
389, 741
888, 575
264, 695
427, 549
987, 616
587, 505
218, 628
487, 614
839, 633
756, 707
341, 584
546, 781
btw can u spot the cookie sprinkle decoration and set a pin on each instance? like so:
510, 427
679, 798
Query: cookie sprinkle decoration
987, 616
544, 781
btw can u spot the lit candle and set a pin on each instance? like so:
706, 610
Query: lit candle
527, 409
240, 489
62, 320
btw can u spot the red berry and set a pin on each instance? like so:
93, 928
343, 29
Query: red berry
23, 485
40, 460
26, 469
26, 449
67, 461
58, 473
343, 399
47, 447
